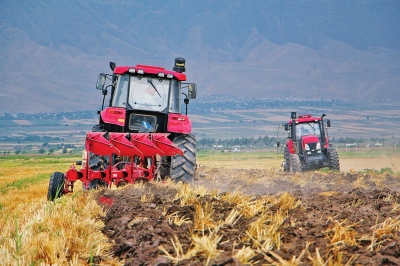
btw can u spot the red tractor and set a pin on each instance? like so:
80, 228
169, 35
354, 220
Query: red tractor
307, 146
142, 133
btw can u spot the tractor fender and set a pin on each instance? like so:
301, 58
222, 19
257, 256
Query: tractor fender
178, 123
291, 147
113, 115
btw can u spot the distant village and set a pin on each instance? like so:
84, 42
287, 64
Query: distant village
210, 104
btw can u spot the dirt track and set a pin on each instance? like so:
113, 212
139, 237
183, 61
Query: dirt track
342, 217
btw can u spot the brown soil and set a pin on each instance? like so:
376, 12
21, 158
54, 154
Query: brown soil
355, 202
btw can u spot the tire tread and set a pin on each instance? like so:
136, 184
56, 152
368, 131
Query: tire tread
183, 167
56, 186
333, 159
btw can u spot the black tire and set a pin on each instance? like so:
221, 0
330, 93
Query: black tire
98, 162
183, 168
333, 159
56, 186
286, 167
294, 163
99, 128
165, 167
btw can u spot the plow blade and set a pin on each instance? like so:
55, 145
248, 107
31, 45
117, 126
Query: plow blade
145, 145
126, 148
98, 144
166, 145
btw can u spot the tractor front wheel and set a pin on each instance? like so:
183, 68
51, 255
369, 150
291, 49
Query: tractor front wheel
56, 186
333, 159
183, 168
294, 163
286, 161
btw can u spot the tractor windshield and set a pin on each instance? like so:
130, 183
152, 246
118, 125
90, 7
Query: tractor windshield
120, 92
307, 129
148, 93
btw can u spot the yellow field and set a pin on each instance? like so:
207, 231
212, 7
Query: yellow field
33, 230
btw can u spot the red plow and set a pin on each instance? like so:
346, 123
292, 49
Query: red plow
119, 158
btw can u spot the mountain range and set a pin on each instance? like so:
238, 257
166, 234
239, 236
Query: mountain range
52, 51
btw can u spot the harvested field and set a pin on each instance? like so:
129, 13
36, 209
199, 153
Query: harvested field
231, 216
258, 217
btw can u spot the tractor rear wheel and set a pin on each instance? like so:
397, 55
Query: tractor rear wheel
333, 159
183, 167
294, 163
56, 186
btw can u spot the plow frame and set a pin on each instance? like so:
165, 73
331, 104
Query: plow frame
132, 157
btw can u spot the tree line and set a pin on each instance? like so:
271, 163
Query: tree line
243, 142
266, 141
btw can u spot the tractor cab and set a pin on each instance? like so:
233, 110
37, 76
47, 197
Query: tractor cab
146, 99
308, 138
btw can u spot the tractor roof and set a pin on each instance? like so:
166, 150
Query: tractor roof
152, 70
306, 119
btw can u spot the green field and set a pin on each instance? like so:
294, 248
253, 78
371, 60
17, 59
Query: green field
373, 122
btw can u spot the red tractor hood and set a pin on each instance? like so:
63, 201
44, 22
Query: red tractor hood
309, 139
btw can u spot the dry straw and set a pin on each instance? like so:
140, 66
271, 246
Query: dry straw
66, 231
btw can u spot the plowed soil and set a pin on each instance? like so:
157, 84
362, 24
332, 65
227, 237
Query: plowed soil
348, 217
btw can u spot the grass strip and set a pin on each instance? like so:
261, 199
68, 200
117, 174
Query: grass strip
23, 183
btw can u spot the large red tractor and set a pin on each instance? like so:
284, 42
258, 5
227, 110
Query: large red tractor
142, 133
307, 146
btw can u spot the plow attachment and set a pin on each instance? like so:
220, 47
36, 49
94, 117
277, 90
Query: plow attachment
119, 158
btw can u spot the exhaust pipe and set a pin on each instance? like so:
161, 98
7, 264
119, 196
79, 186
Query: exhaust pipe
293, 116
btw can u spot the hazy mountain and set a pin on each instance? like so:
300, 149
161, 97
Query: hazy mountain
52, 51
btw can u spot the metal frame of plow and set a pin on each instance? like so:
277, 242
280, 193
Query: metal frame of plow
136, 149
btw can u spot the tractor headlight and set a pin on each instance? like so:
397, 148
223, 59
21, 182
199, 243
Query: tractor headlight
307, 147
318, 147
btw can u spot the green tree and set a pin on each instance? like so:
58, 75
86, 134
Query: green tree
41, 151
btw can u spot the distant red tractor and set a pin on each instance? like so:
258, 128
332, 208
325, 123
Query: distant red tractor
142, 133
307, 146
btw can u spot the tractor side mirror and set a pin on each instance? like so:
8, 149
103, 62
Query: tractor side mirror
293, 115
101, 80
192, 90
328, 123
278, 144
287, 127
113, 65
